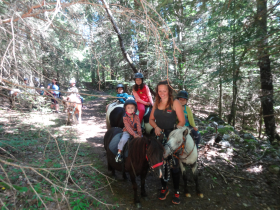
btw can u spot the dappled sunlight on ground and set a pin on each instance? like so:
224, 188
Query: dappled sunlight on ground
255, 169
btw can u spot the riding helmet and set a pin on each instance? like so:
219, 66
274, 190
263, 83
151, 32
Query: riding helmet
120, 86
138, 75
183, 94
72, 80
130, 101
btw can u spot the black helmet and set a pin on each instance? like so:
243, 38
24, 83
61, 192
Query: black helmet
130, 101
120, 86
183, 94
138, 75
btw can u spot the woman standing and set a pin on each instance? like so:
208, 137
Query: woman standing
55, 92
163, 119
142, 94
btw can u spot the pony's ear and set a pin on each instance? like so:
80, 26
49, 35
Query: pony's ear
186, 132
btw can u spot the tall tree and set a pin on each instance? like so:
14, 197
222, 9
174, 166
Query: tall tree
265, 70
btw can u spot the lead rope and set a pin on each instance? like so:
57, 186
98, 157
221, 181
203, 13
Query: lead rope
166, 166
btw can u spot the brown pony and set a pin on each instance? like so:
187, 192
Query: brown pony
142, 152
73, 107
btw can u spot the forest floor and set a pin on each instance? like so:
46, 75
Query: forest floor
237, 177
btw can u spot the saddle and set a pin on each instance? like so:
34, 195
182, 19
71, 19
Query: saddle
113, 146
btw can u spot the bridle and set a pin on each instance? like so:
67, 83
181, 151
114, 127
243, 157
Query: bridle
153, 166
182, 147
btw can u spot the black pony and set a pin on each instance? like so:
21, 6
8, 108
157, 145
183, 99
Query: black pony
141, 152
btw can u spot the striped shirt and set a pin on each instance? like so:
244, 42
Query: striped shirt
132, 125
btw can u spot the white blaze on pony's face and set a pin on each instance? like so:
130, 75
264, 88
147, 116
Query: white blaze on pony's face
175, 140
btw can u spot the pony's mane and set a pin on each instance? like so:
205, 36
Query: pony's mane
139, 146
154, 150
178, 133
154, 147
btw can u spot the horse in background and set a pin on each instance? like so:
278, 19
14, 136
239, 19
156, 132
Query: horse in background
181, 145
73, 107
142, 152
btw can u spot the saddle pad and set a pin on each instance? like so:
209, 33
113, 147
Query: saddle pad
113, 146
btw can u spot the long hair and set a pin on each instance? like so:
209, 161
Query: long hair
137, 87
170, 96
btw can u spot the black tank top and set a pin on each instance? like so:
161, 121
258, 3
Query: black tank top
165, 119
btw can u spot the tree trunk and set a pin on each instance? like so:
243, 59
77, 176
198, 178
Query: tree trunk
265, 70
220, 82
117, 30
92, 69
112, 72
98, 77
235, 71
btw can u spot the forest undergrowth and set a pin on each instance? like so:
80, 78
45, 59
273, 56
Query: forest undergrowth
43, 165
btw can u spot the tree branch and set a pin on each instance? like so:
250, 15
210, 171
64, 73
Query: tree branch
117, 30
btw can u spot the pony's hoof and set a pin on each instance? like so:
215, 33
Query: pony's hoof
200, 195
188, 195
138, 205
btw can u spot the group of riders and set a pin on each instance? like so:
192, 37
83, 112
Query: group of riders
167, 114
55, 92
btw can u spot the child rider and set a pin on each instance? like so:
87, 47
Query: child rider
183, 97
131, 126
120, 89
142, 95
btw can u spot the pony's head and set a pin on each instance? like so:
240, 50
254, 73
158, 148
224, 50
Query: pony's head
175, 140
150, 150
154, 153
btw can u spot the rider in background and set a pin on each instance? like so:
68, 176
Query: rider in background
55, 92
120, 89
131, 126
25, 81
74, 90
163, 118
183, 97
142, 94
41, 92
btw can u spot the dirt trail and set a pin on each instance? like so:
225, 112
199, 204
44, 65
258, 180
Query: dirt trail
243, 190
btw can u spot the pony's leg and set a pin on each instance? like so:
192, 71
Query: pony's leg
110, 168
185, 178
195, 176
134, 186
143, 179
68, 118
80, 116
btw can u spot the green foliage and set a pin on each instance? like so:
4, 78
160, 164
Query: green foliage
79, 204
226, 129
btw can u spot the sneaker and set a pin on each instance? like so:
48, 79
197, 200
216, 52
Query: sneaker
163, 193
118, 158
176, 198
